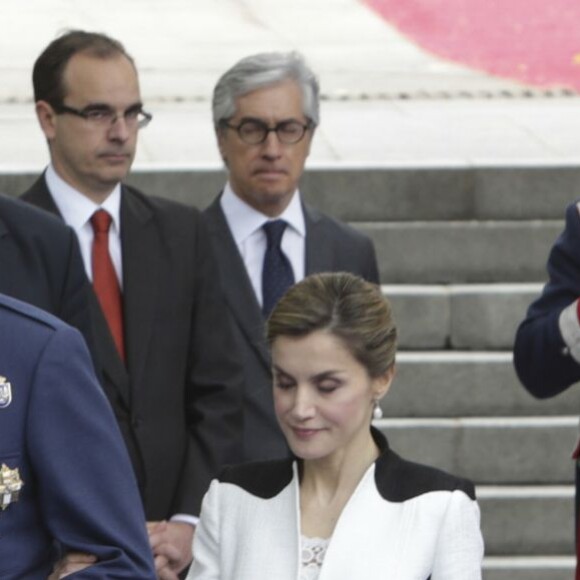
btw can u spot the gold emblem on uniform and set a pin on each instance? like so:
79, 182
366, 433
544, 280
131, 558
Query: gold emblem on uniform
5, 393
10, 486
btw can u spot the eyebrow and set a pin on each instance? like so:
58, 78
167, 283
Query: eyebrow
277, 369
323, 375
258, 120
106, 106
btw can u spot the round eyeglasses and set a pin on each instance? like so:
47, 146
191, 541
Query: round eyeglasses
104, 116
255, 131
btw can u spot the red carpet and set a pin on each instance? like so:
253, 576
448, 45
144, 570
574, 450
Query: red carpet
536, 42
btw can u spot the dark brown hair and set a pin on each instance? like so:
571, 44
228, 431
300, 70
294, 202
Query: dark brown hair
47, 74
346, 306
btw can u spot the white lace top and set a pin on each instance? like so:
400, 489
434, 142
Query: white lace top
312, 552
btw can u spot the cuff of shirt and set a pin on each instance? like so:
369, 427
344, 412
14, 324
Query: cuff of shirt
570, 329
185, 519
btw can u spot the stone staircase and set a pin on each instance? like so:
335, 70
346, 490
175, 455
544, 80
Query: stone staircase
462, 253
474, 251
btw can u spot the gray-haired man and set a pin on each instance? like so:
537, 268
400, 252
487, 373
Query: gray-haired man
265, 112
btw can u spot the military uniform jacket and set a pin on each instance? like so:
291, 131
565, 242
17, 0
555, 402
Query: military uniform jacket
58, 431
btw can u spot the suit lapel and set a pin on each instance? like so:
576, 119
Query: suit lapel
319, 255
235, 281
9, 258
112, 366
39, 195
140, 247
4, 238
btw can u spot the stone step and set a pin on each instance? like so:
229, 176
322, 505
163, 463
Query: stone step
458, 316
527, 520
494, 451
391, 192
529, 568
466, 384
403, 193
462, 252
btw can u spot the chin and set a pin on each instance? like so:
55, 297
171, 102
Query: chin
112, 179
307, 451
273, 204
310, 455
273, 190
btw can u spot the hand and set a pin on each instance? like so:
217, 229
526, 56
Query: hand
171, 545
72, 562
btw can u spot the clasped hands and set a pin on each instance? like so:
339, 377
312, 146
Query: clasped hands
170, 543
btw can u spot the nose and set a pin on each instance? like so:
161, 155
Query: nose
271, 147
304, 406
119, 129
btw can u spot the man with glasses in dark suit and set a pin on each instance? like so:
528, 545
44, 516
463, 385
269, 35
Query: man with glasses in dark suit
265, 112
162, 333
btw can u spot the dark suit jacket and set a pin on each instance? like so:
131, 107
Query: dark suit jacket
41, 264
178, 400
57, 429
330, 246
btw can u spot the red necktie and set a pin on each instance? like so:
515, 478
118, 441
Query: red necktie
105, 280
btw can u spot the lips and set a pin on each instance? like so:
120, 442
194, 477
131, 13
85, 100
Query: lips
305, 434
267, 171
115, 157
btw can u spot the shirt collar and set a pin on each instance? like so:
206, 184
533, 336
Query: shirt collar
244, 220
75, 207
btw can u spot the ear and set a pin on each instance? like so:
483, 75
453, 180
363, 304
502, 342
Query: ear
46, 118
310, 138
221, 145
382, 384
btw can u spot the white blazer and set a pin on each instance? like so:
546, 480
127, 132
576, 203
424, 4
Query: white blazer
403, 522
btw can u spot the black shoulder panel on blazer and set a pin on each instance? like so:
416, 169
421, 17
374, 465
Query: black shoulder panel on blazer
399, 480
263, 479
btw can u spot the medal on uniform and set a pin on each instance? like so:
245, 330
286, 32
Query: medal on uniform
5, 393
10, 486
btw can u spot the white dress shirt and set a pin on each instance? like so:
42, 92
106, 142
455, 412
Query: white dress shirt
246, 223
77, 209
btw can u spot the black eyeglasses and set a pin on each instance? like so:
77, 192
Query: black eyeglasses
103, 116
255, 131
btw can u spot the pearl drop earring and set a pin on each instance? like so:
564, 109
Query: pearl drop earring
377, 411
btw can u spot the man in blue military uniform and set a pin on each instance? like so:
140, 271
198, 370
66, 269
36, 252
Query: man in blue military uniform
66, 483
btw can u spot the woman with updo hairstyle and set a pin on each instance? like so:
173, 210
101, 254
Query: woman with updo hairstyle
346, 507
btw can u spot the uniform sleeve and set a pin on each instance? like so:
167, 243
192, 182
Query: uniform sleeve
206, 543
542, 351
459, 552
86, 488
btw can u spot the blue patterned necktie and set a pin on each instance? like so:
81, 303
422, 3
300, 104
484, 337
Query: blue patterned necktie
277, 275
